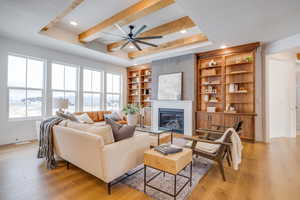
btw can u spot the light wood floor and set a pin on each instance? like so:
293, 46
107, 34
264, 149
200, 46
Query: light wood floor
268, 172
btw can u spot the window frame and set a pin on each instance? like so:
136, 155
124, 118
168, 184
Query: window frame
64, 91
26, 89
92, 92
113, 93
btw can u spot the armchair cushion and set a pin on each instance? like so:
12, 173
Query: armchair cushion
206, 147
209, 147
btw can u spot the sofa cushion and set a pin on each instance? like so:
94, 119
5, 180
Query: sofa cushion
104, 131
92, 115
120, 132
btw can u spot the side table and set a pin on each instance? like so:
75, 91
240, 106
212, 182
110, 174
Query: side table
172, 164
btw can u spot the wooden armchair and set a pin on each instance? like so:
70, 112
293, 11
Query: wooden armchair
221, 150
218, 131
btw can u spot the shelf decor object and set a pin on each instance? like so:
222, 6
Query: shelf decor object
226, 88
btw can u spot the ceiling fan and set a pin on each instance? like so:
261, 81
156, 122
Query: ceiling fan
132, 37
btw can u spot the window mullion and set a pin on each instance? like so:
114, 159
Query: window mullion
26, 89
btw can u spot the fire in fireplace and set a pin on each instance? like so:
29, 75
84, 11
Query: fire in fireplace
171, 119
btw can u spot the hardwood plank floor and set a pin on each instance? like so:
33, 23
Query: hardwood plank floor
268, 172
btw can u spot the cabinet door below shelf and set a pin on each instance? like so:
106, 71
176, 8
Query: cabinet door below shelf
202, 120
248, 127
216, 119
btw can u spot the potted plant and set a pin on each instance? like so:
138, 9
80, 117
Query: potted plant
131, 111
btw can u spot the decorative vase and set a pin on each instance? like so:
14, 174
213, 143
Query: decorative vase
132, 119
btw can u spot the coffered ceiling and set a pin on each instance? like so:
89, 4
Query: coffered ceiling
107, 24
231, 22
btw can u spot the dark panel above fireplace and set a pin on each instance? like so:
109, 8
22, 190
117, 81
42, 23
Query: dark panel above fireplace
171, 118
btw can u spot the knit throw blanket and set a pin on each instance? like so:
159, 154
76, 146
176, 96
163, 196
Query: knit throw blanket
46, 142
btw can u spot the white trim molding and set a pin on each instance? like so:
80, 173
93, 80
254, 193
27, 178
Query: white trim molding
187, 106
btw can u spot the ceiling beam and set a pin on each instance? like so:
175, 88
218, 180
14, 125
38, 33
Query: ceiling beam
69, 9
169, 45
298, 56
162, 30
130, 14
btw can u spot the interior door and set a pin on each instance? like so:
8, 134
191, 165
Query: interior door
298, 108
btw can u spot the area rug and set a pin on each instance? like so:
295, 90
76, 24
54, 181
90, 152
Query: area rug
166, 183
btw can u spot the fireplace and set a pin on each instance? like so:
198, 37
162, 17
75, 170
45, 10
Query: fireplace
171, 118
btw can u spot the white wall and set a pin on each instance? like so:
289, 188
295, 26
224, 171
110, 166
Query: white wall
13, 131
280, 98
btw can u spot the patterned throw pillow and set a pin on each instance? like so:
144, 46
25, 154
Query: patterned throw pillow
84, 118
120, 132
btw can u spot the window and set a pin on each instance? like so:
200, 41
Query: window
113, 91
64, 85
25, 83
91, 90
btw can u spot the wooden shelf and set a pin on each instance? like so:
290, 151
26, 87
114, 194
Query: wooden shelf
212, 102
238, 92
208, 84
240, 82
133, 83
240, 63
205, 76
237, 73
236, 102
217, 66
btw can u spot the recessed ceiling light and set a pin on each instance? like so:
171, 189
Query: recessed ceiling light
183, 31
131, 46
73, 23
223, 46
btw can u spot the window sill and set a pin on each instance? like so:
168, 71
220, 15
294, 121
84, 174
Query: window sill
25, 119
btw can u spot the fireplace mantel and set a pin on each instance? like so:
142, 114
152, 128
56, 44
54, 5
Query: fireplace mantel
186, 105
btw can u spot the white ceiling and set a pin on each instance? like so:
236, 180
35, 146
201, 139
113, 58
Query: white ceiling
230, 22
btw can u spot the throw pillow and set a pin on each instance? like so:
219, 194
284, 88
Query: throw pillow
84, 118
67, 116
120, 132
116, 116
107, 116
104, 131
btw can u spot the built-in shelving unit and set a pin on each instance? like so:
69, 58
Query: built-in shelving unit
139, 91
226, 88
139, 85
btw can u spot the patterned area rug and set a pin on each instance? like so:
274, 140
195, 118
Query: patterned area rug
166, 183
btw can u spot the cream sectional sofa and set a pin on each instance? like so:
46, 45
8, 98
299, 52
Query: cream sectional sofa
89, 152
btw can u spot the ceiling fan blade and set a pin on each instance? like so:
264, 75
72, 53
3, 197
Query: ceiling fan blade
148, 38
147, 43
136, 45
139, 31
112, 34
124, 45
120, 29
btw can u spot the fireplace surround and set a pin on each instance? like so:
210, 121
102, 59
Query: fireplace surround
171, 118
185, 105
